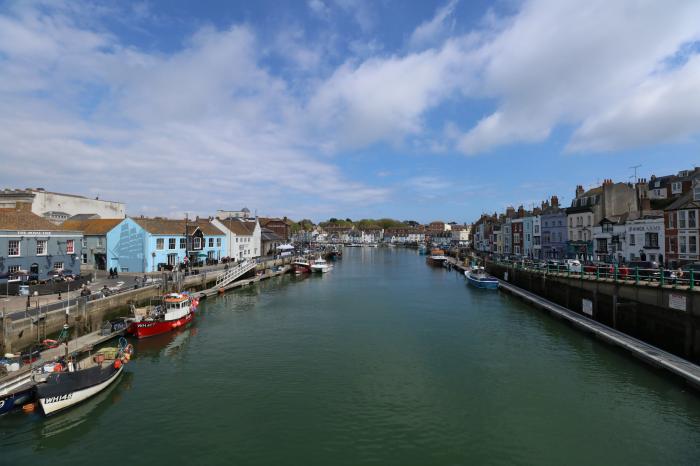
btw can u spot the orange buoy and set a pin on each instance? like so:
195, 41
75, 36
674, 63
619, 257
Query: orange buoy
117, 364
29, 408
57, 367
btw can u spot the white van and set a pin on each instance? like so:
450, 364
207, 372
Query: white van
573, 265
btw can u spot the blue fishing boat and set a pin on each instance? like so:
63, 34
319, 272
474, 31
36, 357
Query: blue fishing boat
15, 393
478, 278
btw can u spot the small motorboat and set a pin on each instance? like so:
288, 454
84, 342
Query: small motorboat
320, 266
82, 379
175, 311
478, 278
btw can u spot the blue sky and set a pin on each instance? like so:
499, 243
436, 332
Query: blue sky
348, 108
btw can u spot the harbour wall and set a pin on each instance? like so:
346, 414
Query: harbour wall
667, 317
17, 334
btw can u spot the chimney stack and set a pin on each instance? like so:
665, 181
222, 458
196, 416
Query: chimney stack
555, 201
579, 191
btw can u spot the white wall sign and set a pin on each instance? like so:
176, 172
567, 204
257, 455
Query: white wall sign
677, 301
587, 307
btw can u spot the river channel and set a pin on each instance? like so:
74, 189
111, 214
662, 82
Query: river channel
383, 361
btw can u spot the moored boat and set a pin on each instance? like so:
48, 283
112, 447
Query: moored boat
176, 310
436, 258
83, 379
478, 278
320, 266
301, 266
16, 392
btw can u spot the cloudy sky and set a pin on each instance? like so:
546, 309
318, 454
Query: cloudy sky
352, 108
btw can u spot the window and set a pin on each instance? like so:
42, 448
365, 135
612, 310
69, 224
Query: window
671, 220
13, 248
236, 240
571, 222
83, 242
70, 246
211, 242
58, 265
171, 243
651, 240
160, 243
632, 239
100, 242
607, 228
683, 243
692, 244
183, 243
677, 187
589, 220
696, 192
681, 218
580, 235
84, 258
691, 219
41, 247
218, 242
13, 269
672, 245
197, 242
537, 228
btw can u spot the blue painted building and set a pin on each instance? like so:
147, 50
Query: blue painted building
554, 230
33, 248
152, 244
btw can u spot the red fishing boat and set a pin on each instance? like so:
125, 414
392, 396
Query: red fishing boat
176, 310
301, 266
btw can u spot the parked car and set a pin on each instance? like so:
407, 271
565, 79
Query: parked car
646, 269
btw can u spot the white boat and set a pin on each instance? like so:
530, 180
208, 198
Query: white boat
82, 380
320, 266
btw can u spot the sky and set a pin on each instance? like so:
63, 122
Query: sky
424, 110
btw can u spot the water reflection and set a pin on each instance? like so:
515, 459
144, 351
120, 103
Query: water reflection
79, 420
167, 344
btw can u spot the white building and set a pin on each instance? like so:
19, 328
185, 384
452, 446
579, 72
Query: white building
536, 237
57, 207
243, 237
645, 239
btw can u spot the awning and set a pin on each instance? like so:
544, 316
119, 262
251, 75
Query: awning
285, 247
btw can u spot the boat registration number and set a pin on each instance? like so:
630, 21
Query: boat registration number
56, 399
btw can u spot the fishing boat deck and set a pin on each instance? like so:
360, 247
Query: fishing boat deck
78, 345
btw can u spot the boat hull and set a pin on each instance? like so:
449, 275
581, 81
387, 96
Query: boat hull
150, 328
486, 284
300, 268
15, 400
58, 395
320, 269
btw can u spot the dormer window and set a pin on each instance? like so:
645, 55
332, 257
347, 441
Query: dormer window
696, 192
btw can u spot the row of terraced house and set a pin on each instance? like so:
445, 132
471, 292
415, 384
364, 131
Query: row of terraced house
44, 233
653, 220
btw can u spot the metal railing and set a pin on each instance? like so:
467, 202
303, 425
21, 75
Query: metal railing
611, 272
232, 274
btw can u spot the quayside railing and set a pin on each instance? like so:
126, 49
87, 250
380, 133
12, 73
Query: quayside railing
232, 274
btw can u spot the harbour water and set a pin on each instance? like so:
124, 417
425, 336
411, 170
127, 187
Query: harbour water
382, 361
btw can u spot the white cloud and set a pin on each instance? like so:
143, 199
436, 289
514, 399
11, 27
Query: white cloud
560, 62
203, 128
664, 108
430, 32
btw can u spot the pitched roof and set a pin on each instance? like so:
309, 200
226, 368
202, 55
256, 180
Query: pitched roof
265, 220
167, 226
23, 219
97, 226
686, 201
269, 235
239, 227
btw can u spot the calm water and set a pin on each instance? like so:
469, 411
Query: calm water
382, 361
